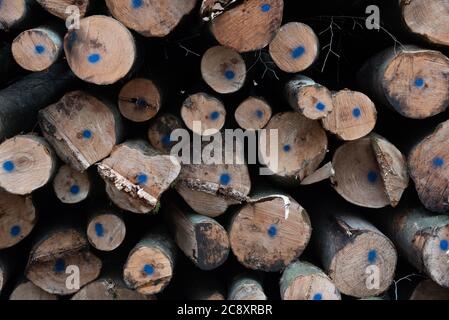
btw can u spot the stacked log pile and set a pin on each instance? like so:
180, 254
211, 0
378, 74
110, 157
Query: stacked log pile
117, 181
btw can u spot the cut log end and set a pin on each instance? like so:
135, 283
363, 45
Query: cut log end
29, 291
249, 26
435, 256
151, 18
17, 219
101, 51
13, 13
27, 163
159, 132
37, 49
223, 69
354, 115
71, 186
139, 100
108, 289
106, 231
253, 113
203, 114
246, 288
295, 47
429, 290
59, 7
262, 239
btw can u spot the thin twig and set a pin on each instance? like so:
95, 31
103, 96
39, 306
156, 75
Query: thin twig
189, 51
407, 277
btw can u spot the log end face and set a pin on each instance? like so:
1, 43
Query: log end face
106, 232
436, 256
253, 113
311, 287
71, 186
212, 244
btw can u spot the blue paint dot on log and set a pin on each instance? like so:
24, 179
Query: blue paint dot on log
94, 58
272, 231
444, 245
74, 189
419, 82
40, 49
15, 231
166, 140
99, 230
372, 176
320, 106
225, 179
142, 103
142, 178
259, 113
317, 296
372, 256
60, 265
215, 115
287, 148
356, 112
265, 7
148, 269
298, 52
87, 134
229, 74
137, 4
438, 162
8, 166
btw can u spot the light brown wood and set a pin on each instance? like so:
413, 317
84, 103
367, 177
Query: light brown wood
311, 99
37, 49
249, 26
201, 238
428, 167
71, 186
28, 163
160, 131
429, 290
18, 217
263, 239
223, 69
253, 113
411, 80
203, 114
151, 18
139, 100
304, 281
106, 230
59, 7
101, 51
370, 172
28, 291
427, 19
245, 287
14, 12
136, 184
354, 115
82, 129
295, 47
53, 253
150, 264
301, 146
325, 172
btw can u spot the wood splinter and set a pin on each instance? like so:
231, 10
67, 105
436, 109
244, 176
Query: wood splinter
59, 8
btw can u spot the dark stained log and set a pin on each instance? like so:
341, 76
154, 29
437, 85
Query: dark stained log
429, 290
411, 80
304, 281
7, 64
160, 131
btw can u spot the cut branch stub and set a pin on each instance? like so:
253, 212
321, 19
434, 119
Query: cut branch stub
160, 130
248, 26
298, 149
253, 113
313, 100
304, 281
411, 80
139, 100
37, 49
27, 163
82, 129
59, 7
151, 18
17, 218
93, 52
57, 250
429, 170
71, 186
370, 172
354, 115
295, 47
263, 239
428, 19
223, 69
136, 184
150, 264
